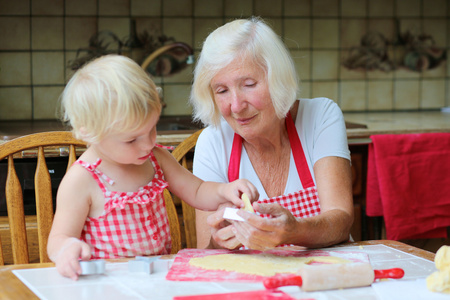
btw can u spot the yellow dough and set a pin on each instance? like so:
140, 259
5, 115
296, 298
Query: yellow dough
247, 205
442, 258
260, 264
440, 281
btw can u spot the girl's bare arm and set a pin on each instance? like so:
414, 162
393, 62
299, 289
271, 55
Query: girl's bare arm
204, 195
72, 208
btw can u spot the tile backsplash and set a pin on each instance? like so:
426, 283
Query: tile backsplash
38, 39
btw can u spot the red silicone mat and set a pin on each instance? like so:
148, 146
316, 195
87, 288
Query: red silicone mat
182, 271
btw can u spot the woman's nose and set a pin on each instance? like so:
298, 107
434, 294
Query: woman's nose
236, 102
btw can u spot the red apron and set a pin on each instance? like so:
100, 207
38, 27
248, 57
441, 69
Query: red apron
303, 203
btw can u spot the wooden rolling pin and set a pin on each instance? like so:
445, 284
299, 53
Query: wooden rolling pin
332, 276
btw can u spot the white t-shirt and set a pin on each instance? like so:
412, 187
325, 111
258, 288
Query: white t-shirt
320, 125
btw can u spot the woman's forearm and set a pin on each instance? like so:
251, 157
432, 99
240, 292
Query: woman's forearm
326, 229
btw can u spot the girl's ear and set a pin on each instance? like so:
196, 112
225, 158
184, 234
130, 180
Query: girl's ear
83, 133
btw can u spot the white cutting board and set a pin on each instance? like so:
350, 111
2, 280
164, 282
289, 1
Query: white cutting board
118, 283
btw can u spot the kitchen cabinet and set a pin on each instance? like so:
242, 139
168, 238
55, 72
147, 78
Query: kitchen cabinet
359, 173
32, 239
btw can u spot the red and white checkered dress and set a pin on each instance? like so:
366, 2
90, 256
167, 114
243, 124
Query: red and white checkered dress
132, 223
303, 203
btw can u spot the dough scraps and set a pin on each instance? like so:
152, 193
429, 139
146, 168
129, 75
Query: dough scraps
247, 205
260, 264
440, 281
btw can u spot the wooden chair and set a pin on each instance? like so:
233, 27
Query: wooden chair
180, 153
17, 221
43, 191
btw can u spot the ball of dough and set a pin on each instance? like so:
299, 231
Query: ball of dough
439, 281
442, 258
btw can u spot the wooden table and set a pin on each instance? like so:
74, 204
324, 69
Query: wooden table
12, 288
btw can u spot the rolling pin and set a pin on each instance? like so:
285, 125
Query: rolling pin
332, 276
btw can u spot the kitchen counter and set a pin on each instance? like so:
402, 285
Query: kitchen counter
360, 126
397, 123
171, 129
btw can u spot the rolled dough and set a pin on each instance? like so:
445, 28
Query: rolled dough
260, 264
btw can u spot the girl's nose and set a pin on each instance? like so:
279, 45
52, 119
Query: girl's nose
150, 141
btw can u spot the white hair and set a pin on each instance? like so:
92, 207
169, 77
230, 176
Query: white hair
245, 39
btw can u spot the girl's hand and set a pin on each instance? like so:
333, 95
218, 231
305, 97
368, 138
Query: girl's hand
233, 192
67, 260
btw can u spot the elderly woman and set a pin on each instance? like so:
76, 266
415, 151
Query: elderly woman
294, 151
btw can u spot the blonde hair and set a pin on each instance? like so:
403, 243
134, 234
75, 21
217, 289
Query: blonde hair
111, 94
243, 39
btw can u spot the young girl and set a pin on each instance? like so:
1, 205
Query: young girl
110, 202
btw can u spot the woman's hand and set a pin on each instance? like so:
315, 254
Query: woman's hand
222, 235
67, 259
266, 233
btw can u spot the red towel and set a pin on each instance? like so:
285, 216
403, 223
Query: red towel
408, 183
